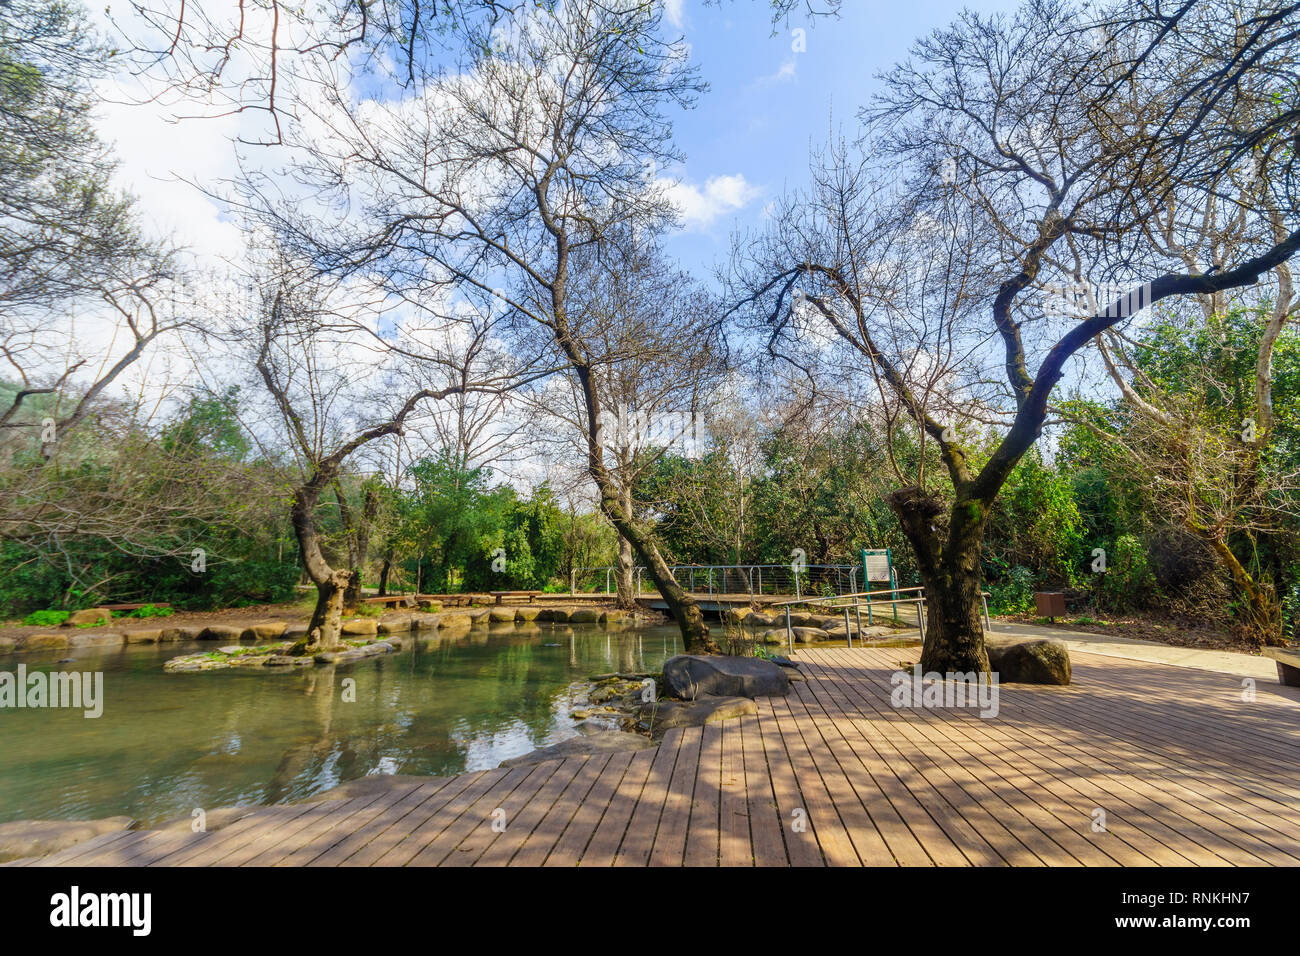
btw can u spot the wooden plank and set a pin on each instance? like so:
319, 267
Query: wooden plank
670, 841
610, 831
434, 848
572, 843
538, 844
705, 826
764, 819
523, 819
393, 816
800, 839
734, 847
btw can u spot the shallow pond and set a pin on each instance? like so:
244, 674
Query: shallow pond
168, 743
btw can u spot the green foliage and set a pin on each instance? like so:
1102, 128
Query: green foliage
1127, 582
47, 618
151, 610
1012, 592
458, 533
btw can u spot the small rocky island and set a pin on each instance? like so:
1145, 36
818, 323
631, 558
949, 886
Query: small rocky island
632, 711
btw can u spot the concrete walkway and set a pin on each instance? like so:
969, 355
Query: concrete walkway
1220, 662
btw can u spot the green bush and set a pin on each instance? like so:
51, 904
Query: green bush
151, 610
1014, 594
46, 618
1127, 583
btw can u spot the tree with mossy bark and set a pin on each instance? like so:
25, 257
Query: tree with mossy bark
1014, 159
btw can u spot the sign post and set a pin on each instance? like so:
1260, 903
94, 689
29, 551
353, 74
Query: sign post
877, 566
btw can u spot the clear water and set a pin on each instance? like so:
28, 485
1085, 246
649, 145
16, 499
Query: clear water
168, 743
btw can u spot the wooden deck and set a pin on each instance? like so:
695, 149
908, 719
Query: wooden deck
1185, 771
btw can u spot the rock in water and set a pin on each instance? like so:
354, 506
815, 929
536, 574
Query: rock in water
1041, 661
691, 676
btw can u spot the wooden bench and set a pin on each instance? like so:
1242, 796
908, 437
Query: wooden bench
1288, 664
392, 600
501, 595
131, 607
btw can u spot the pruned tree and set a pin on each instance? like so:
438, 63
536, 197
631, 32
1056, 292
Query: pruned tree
652, 356
499, 181
1024, 141
340, 381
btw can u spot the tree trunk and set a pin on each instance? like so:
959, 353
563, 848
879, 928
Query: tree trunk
384, 571
684, 608
948, 549
624, 576
325, 628
626, 562
1259, 609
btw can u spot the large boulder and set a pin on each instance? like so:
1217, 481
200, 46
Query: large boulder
809, 635
171, 635
396, 623
597, 743
363, 627
691, 676
663, 715
143, 635
450, 620
38, 641
95, 639
557, 615
502, 615
1039, 661
528, 613
220, 632
585, 615
263, 631
90, 617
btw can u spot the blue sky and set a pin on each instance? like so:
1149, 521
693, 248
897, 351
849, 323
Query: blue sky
768, 104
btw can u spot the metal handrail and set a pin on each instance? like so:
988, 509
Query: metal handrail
752, 574
857, 606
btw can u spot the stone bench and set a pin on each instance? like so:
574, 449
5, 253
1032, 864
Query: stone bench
1288, 664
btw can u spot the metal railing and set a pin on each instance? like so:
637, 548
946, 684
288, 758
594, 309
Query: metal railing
820, 580
854, 603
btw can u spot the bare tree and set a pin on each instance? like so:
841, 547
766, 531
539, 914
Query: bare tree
497, 179
322, 357
1020, 138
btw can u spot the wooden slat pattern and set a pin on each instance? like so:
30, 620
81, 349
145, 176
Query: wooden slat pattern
1185, 770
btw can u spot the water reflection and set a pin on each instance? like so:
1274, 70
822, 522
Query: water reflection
168, 743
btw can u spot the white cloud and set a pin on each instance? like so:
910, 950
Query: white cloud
702, 206
787, 73
674, 12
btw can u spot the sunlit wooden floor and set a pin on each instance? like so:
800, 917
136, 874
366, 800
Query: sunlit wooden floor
1135, 764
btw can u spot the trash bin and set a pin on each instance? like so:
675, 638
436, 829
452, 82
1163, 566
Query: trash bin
1050, 604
